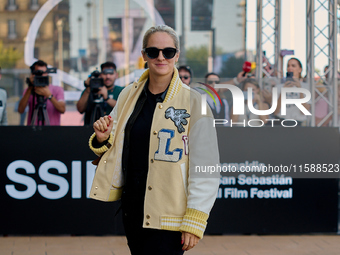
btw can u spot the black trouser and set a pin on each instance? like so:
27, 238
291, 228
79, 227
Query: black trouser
144, 241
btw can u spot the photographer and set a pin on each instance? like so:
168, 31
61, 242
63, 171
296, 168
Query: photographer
53, 96
104, 95
3, 104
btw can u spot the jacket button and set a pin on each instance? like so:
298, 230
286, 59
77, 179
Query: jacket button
95, 194
151, 160
96, 187
147, 223
155, 132
104, 161
149, 188
148, 216
160, 106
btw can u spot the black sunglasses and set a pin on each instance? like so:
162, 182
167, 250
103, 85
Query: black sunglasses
184, 77
108, 71
212, 82
153, 52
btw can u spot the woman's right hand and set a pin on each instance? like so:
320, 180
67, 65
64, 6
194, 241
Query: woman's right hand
293, 83
103, 128
240, 78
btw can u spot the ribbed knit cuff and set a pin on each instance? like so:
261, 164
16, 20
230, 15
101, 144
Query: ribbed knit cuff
101, 150
194, 222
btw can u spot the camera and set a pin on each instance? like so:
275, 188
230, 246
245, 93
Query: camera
39, 80
95, 82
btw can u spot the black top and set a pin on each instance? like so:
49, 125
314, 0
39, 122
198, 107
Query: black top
135, 161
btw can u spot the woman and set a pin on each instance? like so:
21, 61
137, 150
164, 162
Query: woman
258, 104
145, 139
293, 112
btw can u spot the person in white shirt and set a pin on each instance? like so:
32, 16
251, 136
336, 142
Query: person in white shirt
293, 112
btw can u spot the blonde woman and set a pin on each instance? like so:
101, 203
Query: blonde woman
151, 145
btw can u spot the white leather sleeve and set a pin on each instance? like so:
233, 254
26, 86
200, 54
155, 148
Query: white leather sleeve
203, 182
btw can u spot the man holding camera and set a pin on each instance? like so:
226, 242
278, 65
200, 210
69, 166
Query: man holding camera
52, 96
104, 96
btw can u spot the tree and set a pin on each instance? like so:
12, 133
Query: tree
8, 56
231, 67
197, 59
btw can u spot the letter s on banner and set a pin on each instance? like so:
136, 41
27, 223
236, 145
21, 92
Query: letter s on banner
54, 179
21, 179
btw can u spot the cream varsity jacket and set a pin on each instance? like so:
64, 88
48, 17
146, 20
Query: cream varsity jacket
179, 195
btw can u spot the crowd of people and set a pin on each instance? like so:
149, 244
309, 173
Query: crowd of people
45, 102
262, 98
100, 101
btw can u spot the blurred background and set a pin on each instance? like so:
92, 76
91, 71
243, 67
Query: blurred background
76, 36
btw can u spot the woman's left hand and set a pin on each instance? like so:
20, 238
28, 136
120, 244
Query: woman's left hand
189, 241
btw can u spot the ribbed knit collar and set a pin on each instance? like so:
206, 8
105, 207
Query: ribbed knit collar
174, 88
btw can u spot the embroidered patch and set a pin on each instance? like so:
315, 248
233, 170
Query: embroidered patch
178, 116
185, 140
163, 153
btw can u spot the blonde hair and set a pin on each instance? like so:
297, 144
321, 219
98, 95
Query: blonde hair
161, 28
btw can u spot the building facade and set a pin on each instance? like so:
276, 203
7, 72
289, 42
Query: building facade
15, 19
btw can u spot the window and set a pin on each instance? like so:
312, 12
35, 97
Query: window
11, 6
34, 5
12, 34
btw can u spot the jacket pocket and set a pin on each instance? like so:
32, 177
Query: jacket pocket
115, 193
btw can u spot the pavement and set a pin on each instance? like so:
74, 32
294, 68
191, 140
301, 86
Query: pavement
209, 245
